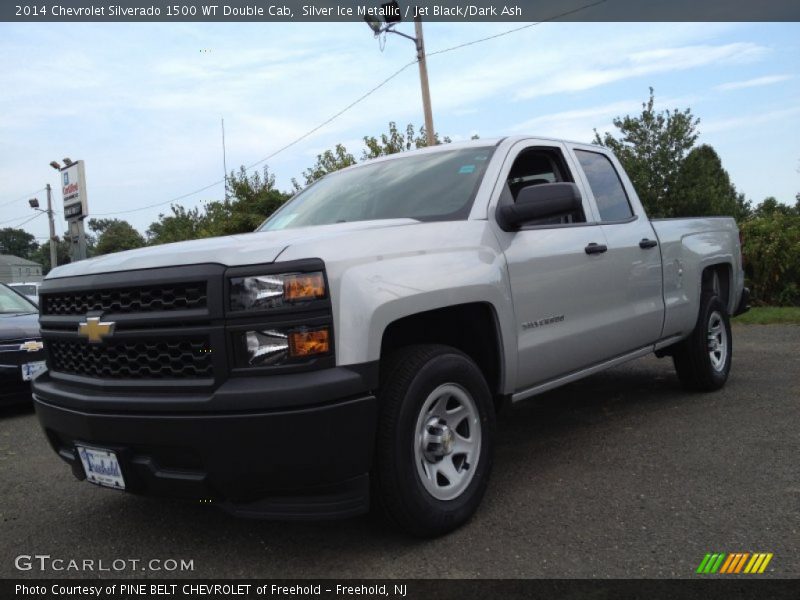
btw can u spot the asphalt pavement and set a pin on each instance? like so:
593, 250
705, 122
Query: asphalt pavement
623, 474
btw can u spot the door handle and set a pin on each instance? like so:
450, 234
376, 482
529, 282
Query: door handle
645, 243
594, 248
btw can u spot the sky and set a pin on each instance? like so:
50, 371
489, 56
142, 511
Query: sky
141, 104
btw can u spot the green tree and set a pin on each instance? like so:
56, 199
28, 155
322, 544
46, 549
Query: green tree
327, 162
770, 206
181, 225
651, 147
744, 208
42, 254
17, 242
255, 197
703, 188
114, 235
397, 141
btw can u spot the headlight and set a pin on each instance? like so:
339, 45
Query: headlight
274, 291
273, 347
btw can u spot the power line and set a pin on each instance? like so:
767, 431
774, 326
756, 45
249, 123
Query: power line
36, 216
278, 151
25, 197
515, 29
15, 219
125, 212
352, 104
337, 115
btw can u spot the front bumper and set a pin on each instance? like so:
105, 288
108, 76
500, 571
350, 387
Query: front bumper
12, 387
284, 459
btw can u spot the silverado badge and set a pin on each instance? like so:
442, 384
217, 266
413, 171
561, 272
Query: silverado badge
94, 331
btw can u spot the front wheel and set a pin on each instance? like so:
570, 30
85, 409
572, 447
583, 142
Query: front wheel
435, 439
703, 360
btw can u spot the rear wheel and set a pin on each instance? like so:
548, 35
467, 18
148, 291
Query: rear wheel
703, 360
435, 438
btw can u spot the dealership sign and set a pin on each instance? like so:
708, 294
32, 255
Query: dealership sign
73, 186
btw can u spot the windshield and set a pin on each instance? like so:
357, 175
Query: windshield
428, 187
12, 302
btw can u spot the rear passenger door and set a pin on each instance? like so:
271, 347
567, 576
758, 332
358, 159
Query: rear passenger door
632, 292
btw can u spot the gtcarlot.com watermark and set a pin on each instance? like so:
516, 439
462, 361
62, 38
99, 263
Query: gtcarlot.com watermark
45, 563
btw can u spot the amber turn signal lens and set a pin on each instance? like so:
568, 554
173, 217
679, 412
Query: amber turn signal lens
303, 286
309, 343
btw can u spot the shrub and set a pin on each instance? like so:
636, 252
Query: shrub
772, 257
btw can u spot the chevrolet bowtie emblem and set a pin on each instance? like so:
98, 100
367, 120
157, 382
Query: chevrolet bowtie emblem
94, 331
31, 346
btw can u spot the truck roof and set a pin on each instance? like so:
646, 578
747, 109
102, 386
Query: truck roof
478, 143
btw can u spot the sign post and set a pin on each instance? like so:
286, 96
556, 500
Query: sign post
73, 187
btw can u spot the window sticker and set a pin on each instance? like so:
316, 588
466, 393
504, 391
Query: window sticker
467, 169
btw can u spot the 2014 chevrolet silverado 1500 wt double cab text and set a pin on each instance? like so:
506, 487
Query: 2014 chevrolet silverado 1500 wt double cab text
356, 346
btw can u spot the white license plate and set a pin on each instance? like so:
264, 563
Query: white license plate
32, 369
101, 467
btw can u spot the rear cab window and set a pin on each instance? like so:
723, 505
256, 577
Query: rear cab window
607, 189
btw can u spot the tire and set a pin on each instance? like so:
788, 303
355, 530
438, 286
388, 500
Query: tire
700, 366
434, 403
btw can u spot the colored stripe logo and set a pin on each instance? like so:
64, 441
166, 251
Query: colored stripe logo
734, 563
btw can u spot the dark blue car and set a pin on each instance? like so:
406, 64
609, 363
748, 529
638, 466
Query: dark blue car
21, 353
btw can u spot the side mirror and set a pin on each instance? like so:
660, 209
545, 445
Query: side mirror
539, 202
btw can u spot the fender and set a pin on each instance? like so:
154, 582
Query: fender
439, 266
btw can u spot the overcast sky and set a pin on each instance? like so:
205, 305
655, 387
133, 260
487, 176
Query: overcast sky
141, 103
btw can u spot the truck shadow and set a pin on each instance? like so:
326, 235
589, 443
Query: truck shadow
537, 440
528, 433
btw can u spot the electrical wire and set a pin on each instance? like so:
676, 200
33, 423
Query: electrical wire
278, 151
352, 104
36, 216
25, 197
336, 116
516, 29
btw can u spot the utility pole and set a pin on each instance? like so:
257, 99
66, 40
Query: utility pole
53, 247
224, 160
392, 18
34, 204
423, 80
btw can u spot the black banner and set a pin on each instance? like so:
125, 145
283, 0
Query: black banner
426, 589
441, 10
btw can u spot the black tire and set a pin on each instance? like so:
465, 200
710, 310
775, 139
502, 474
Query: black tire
409, 379
692, 356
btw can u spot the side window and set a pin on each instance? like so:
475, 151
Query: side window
612, 201
538, 165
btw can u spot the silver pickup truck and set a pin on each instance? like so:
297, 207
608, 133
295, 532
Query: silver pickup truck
357, 346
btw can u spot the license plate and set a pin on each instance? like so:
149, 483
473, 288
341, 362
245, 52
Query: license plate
101, 467
32, 369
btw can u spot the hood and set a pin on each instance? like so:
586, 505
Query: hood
17, 326
233, 250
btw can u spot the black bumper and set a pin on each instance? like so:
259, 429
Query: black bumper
13, 389
285, 459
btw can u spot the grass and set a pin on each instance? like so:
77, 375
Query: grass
767, 315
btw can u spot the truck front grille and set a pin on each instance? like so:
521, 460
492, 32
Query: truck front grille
180, 296
178, 359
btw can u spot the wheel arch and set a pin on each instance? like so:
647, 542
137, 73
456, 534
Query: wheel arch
474, 328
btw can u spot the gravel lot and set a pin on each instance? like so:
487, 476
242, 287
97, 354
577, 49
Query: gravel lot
621, 475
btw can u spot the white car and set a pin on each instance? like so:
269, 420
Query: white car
29, 290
